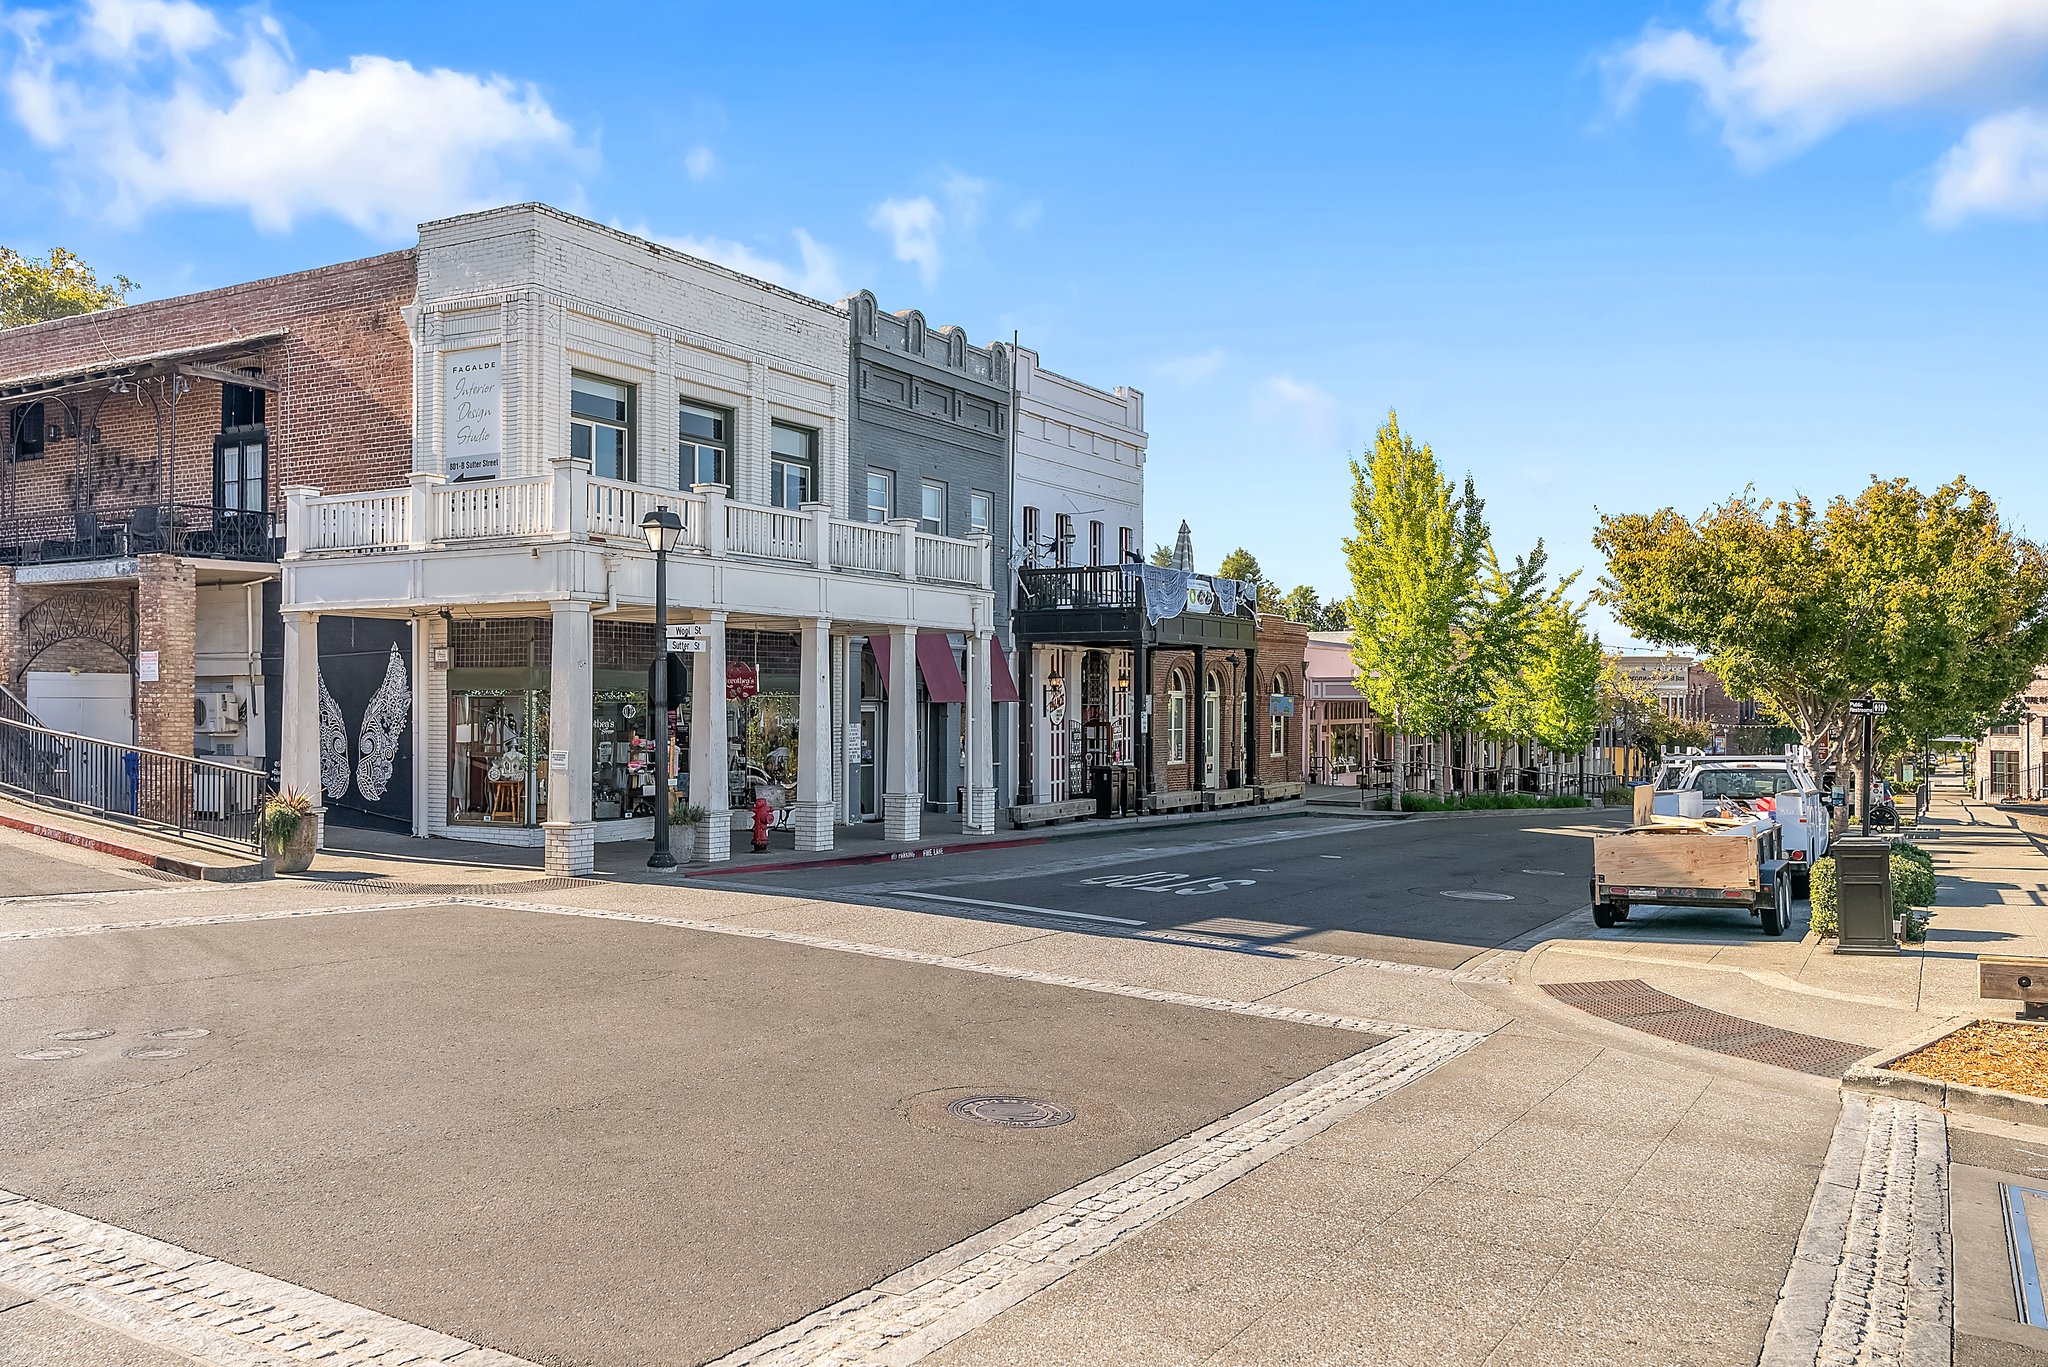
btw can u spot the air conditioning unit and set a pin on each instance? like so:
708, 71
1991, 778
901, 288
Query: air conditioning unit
218, 714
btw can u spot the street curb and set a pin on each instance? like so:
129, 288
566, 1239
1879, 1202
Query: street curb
163, 863
1873, 1077
1366, 814
883, 857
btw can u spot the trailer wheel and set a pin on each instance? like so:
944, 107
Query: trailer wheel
1603, 915
1774, 914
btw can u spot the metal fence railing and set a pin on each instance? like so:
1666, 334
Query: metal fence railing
151, 788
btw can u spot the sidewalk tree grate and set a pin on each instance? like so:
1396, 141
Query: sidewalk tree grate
1012, 1112
1639, 1006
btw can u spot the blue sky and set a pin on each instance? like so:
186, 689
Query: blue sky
1610, 255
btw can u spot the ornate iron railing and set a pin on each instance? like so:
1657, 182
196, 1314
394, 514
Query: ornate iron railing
196, 529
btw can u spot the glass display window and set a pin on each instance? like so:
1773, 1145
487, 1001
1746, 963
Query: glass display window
497, 756
625, 755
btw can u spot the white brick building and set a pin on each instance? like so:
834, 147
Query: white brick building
569, 379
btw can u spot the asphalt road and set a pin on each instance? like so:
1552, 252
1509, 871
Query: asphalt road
579, 1141
1423, 891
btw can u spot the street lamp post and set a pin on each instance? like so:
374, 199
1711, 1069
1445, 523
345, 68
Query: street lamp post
1869, 707
662, 528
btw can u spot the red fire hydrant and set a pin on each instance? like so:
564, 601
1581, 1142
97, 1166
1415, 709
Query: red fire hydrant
760, 824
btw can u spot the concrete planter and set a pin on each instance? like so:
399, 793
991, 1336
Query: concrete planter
1874, 1077
296, 854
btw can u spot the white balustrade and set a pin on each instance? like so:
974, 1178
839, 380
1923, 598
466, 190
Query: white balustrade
616, 509
491, 509
866, 548
766, 533
944, 560
358, 522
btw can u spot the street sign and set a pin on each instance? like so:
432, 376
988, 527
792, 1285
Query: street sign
686, 645
684, 631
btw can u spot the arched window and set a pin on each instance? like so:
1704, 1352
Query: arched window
1278, 705
1212, 727
1177, 719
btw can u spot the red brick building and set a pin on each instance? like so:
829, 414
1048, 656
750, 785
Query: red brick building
1241, 732
142, 486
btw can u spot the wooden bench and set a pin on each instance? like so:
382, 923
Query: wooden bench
1280, 792
2013, 979
1046, 813
1229, 797
1173, 802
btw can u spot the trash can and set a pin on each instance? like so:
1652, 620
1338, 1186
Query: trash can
1863, 892
1102, 790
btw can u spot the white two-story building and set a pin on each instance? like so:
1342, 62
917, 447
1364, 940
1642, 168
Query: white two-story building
569, 380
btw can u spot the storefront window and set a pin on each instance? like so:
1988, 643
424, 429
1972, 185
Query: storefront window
625, 756
497, 752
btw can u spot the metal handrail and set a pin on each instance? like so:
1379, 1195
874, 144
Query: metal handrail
132, 785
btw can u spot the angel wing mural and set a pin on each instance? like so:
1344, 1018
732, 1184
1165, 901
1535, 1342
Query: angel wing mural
384, 722
333, 745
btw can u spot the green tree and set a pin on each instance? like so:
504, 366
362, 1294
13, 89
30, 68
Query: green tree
1161, 557
56, 286
1302, 604
1242, 565
1554, 698
1437, 620
1927, 599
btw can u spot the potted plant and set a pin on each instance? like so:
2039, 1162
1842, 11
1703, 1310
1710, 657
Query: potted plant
288, 830
682, 819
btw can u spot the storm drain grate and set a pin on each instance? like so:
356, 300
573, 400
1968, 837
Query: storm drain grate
1639, 1006
458, 889
1012, 1112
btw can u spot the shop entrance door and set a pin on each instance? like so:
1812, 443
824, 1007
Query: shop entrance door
866, 790
497, 770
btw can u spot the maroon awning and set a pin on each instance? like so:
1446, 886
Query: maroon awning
1001, 680
942, 681
880, 645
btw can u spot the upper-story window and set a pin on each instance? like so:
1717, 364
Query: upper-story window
25, 432
793, 471
1094, 543
1126, 548
931, 508
704, 445
981, 509
1030, 535
241, 453
601, 425
1063, 539
881, 496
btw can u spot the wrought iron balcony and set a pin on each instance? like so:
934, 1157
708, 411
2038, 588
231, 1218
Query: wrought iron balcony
193, 529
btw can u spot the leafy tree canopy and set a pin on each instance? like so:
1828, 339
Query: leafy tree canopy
1554, 698
1162, 556
56, 286
1928, 599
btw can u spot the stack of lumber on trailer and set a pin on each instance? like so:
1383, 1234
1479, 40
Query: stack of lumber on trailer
1683, 852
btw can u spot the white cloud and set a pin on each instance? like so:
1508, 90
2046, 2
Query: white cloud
117, 28
965, 196
152, 104
2000, 167
700, 161
1315, 408
815, 272
1782, 74
1189, 371
913, 229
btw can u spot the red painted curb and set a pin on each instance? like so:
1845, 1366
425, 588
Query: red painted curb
84, 842
886, 857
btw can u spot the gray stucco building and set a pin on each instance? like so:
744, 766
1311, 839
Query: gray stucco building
930, 438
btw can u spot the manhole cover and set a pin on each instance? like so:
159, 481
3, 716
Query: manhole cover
84, 1033
1468, 895
153, 1051
179, 1032
1013, 1112
49, 1055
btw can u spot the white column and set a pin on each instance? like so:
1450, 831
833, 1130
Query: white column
570, 836
842, 705
425, 636
299, 728
902, 799
980, 816
1041, 727
708, 753
814, 725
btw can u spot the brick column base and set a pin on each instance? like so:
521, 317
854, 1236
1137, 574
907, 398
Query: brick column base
571, 847
813, 826
713, 841
980, 817
902, 816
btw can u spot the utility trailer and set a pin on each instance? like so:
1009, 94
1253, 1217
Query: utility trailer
1693, 862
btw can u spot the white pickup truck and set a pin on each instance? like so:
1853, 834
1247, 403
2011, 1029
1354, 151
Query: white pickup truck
1752, 785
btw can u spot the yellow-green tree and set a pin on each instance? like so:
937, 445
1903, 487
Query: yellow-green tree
1554, 697
56, 286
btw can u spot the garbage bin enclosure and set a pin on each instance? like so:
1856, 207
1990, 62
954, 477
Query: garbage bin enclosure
1863, 883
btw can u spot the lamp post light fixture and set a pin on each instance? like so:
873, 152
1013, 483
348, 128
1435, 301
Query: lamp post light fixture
662, 528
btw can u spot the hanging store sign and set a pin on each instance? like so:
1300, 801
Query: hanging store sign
741, 682
470, 411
